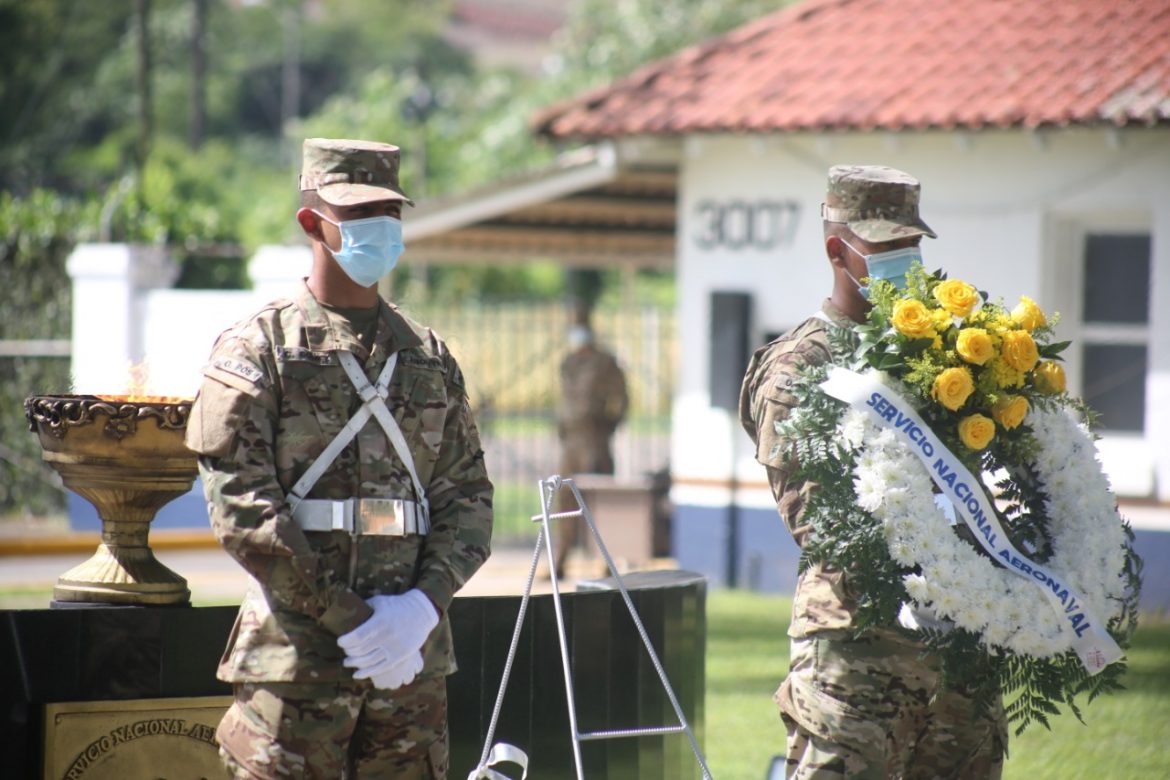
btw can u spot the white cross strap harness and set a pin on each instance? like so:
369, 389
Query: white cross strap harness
376, 516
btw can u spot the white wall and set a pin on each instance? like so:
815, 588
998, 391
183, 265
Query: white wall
1007, 206
124, 313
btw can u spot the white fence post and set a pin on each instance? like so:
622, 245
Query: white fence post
110, 283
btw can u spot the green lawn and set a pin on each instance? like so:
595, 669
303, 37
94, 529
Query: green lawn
25, 598
747, 657
1126, 735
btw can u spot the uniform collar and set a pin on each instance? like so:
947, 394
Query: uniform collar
328, 331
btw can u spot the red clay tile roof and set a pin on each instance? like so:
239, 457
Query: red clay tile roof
898, 64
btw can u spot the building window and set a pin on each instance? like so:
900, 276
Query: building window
1115, 332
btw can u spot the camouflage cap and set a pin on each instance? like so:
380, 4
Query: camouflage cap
877, 203
345, 172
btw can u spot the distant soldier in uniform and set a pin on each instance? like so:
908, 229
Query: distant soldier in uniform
593, 402
344, 472
857, 707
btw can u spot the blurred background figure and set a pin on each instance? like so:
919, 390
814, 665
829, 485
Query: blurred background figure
593, 402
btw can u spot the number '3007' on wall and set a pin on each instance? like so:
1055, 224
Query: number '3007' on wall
741, 224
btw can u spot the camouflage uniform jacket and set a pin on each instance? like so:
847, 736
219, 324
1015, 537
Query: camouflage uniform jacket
821, 602
274, 395
594, 401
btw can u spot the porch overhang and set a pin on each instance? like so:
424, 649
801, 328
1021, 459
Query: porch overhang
587, 209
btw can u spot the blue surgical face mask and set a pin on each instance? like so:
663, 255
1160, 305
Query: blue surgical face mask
369, 247
891, 265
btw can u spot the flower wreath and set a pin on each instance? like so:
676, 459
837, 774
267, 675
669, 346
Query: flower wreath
987, 385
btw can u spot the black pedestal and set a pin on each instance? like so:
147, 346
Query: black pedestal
99, 654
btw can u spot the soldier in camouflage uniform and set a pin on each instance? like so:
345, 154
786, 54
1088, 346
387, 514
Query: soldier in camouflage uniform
869, 706
344, 472
593, 402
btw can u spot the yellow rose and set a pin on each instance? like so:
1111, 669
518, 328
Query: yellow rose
953, 387
1010, 410
1019, 350
958, 298
976, 431
1049, 377
1028, 315
974, 346
912, 319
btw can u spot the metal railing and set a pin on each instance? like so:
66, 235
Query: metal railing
510, 354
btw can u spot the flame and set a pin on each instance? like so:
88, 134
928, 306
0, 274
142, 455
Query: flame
137, 387
136, 399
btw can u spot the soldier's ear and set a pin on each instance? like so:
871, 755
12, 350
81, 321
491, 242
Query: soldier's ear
310, 222
835, 249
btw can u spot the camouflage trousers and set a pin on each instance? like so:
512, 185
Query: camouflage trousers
863, 709
336, 730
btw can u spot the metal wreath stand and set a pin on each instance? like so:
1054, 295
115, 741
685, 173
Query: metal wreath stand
501, 752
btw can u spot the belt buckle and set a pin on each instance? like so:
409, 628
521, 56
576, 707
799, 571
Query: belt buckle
380, 517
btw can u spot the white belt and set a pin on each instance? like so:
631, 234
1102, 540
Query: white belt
363, 516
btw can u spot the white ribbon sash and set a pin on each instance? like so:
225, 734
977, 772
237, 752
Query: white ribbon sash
1093, 645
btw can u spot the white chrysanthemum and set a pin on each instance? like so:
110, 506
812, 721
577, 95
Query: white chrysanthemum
986, 606
933, 591
854, 427
925, 520
963, 576
868, 460
887, 438
897, 500
901, 527
917, 588
889, 472
971, 616
1059, 483
928, 548
948, 602
870, 490
1012, 613
995, 634
902, 552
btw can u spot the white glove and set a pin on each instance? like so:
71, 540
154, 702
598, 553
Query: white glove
399, 626
387, 675
917, 618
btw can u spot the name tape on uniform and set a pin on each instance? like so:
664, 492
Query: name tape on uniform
239, 368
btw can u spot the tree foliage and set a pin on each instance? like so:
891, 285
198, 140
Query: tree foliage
606, 39
69, 104
36, 235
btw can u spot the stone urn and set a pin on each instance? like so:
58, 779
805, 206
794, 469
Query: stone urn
126, 456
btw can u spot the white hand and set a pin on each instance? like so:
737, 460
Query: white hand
389, 675
400, 624
917, 618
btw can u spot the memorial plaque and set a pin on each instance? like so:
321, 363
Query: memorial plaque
160, 739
